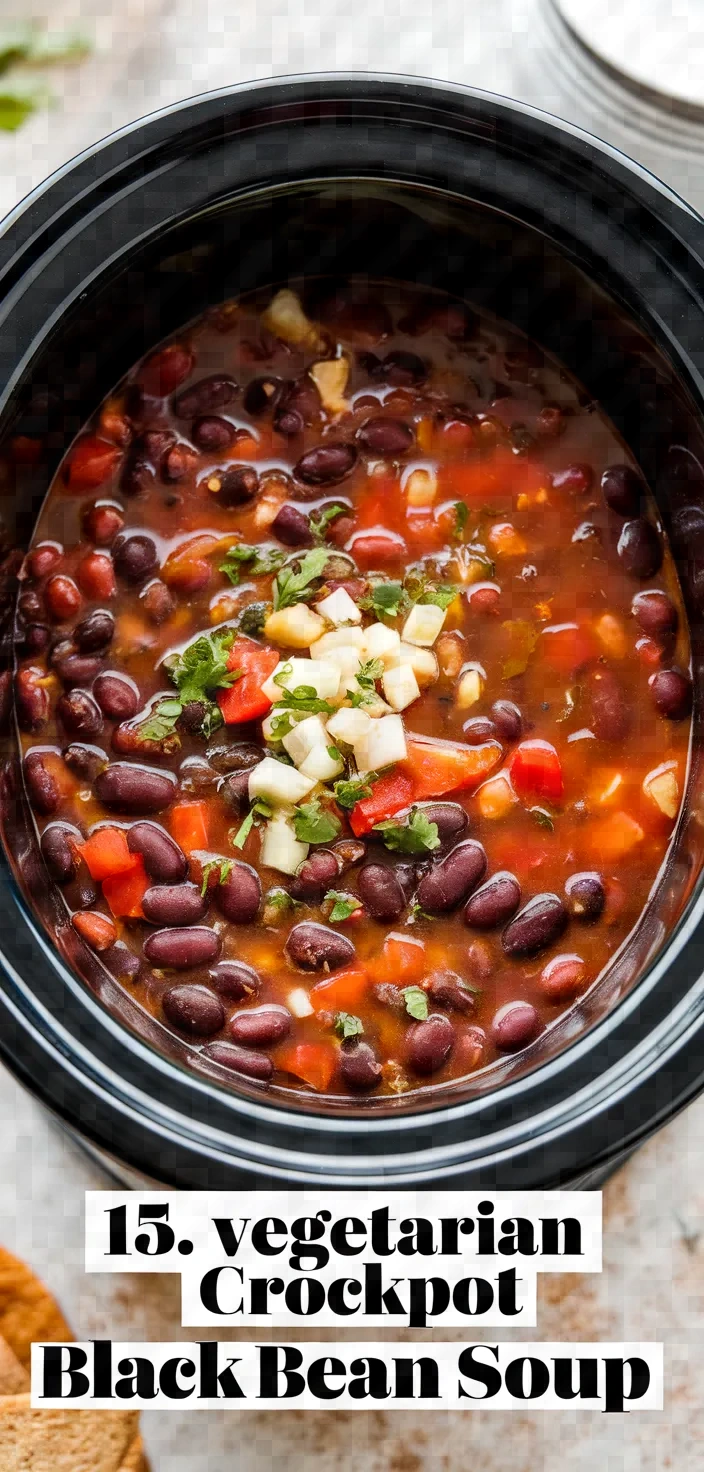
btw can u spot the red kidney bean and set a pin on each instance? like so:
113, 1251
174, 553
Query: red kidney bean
453, 879
655, 612
429, 1044
193, 1010
484, 598
240, 895
508, 720
261, 1027
96, 575
205, 396
312, 946
30, 605
381, 892
79, 714
494, 903
63, 598
562, 978
585, 896
135, 557
315, 876
177, 463
213, 433
137, 477
298, 405
58, 852
610, 713
31, 699
102, 521
174, 904
360, 1069
348, 851
234, 792
403, 369
163, 859
237, 756
478, 730
166, 369
326, 465
123, 963
447, 989
42, 787
95, 632
234, 980
116, 695
75, 669
238, 485
672, 694
515, 1026
576, 480
622, 489
262, 394
36, 638
292, 528
84, 761
480, 961
80, 893
125, 785
42, 559
640, 548
159, 603
536, 926
449, 818
385, 437
182, 950
240, 1060
550, 422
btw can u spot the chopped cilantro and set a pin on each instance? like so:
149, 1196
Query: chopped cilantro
259, 560
344, 905
369, 672
416, 1002
347, 1026
334, 754
418, 913
417, 836
259, 809
197, 672
313, 824
159, 725
319, 521
385, 600
352, 790
279, 899
303, 699
295, 587
224, 866
461, 511
542, 818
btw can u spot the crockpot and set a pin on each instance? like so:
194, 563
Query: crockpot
509, 210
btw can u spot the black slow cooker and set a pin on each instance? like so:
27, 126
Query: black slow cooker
510, 210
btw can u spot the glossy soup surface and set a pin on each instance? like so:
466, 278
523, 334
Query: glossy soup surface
376, 513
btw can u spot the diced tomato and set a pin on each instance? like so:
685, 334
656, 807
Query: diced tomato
314, 1063
188, 822
536, 771
245, 700
343, 992
436, 767
91, 462
96, 929
389, 795
402, 960
106, 853
125, 892
567, 646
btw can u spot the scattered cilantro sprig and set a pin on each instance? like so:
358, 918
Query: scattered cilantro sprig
461, 516
313, 824
344, 905
259, 809
386, 600
257, 560
417, 836
416, 1002
198, 671
349, 791
223, 865
319, 521
348, 1026
295, 587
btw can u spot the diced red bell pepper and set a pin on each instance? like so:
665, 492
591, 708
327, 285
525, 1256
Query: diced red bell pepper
389, 796
437, 767
245, 700
314, 1063
106, 853
536, 771
188, 822
91, 463
125, 892
402, 960
567, 646
343, 992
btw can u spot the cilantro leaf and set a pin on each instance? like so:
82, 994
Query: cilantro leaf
197, 672
421, 589
223, 865
369, 672
259, 809
303, 699
416, 1002
542, 818
319, 521
279, 900
334, 754
258, 560
417, 836
160, 724
344, 905
313, 824
347, 1026
349, 791
295, 587
461, 512
418, 913
385, 600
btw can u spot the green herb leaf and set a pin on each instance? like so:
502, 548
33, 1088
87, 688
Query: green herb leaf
201, 667
319, 521
334, 754
258, 561
303, 699
416, 1002
253, 618
385, 600
16, 105
259, 809
461, 513
542, 818
223, 865
279, 899
418, 913
344, 905
313, 825
296, 587
417, 836
348, 791
369, 672
160, 724
347, 1026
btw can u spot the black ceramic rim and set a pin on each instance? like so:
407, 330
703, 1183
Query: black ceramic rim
638, 1065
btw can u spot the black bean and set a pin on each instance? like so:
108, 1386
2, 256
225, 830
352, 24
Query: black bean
326, 465
261, 394
478, 730
360, 1069
515, 1026
137, 476
291, 527
385, 437
76, 669
126, 785
312, 946
158, 601
447, 989
315, 876
81, 893
585, 896
238, 485
240, 1060
84, 761
79, 714
234, 980
42, 787
58, 852
640, 548
135, 557
655, 612
174, 904
403, 370
212, 433
239, 756
449, 818
298, 405
349, 851
452, 880
178, 462
381, 891
261, 1027
122, 962
240, 895
95, 632
153, 444
31, 700
30, 606
536, 926
193, 1010
610, 712
672, 694
205, 396
508, 720
36, 638
116, 695
235, 792
183, 949
623, 489
163, 859
494, 903
429, 1044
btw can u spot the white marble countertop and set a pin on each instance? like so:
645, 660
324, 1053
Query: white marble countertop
152, 52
